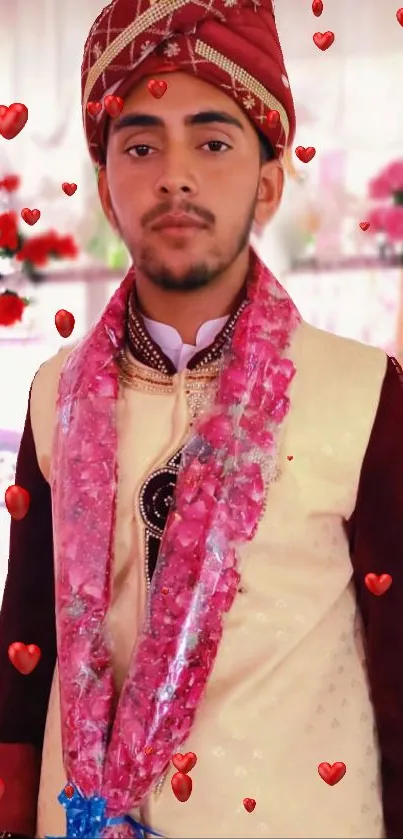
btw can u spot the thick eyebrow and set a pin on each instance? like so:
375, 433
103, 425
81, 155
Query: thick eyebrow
151, 121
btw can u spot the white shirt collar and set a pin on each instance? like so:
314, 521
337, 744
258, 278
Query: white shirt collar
171, 344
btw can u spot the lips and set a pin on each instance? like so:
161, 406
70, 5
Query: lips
178, 221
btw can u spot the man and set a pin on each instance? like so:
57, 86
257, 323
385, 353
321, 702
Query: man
219, 473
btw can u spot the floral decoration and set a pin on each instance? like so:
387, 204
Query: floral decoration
386, 215
32, 252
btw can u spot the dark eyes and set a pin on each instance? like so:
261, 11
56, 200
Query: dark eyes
143, 150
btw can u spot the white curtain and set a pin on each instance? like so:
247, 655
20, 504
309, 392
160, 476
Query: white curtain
41, 46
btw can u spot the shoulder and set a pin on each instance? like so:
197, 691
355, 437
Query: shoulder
339, 362
46, 381
338, 380
389, 418
43, 405
342, 349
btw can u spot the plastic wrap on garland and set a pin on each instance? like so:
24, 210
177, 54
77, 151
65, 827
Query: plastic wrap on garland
225, 472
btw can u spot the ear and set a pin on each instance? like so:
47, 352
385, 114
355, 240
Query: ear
105, 198
270, 191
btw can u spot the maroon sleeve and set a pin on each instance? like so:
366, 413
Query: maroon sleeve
27, 615
375, 533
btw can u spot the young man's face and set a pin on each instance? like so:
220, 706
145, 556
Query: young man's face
185, 183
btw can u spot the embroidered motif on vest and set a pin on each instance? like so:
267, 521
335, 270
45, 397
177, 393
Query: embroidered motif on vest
156, 497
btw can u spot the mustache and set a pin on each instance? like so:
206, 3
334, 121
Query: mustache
184, 207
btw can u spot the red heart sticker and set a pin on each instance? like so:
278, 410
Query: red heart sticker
364, 225
290, 457
69, 189
69, 791
184, 763
17, 501
113, 105
317, 7
378, 583
24, 657
181, 786
273, 118
332, 773
64, 322
249, 804
157, 88
305, 154
399, 15
323, 40
12, 119
30, 216
94, 108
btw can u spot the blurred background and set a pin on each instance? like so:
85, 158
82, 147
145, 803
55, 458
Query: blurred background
349, 104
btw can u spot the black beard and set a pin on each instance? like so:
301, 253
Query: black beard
198, 275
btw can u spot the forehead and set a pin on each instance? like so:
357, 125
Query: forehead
184, 93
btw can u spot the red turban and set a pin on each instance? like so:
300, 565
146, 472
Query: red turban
232, 44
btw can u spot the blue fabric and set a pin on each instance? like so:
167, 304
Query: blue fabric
86, 817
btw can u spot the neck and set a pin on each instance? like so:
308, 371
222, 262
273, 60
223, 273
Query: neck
187, 311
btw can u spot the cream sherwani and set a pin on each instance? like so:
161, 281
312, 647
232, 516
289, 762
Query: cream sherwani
289, 688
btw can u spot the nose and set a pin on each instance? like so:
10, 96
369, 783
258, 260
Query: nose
176, 178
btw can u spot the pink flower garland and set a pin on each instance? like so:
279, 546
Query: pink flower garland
220, 496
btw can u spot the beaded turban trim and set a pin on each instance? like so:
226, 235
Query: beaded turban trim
232, 44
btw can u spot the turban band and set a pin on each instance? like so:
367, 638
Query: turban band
233, 44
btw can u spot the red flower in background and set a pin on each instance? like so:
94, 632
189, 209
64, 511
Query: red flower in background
34, 251
11, 308
10, 183
8, 231
65, 247
38, 249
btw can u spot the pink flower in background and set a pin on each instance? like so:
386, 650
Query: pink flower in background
394, 175
389, 180
393, 221
379, 188
387, 217
376, 218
